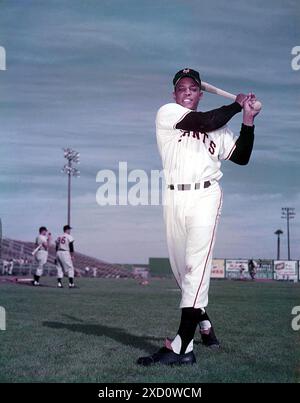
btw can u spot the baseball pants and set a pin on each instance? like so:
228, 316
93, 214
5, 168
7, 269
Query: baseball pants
191, 218
41, 258
64, 264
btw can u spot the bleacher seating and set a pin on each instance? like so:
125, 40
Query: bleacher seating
84, 265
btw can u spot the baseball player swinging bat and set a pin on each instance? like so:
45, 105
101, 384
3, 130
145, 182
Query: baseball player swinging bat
192, 145
218, 91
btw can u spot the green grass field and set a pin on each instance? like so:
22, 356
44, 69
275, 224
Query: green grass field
96, 332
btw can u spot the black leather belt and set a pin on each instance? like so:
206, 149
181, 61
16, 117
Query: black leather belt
189, 186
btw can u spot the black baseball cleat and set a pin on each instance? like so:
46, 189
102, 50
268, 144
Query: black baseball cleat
166, 356
35, 283
210, 340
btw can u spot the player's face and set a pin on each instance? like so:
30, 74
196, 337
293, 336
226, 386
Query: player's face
187, 93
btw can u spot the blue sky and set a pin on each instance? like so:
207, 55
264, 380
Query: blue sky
92, 74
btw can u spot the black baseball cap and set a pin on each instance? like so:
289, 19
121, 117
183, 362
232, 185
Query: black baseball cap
66, 227
187, 73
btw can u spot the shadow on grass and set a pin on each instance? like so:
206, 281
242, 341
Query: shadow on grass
115, 333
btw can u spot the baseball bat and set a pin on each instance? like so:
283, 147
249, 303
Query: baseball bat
39, 247
218, 91
36, 250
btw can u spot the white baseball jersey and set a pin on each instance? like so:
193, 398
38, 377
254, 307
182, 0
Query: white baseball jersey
63, 242
40, 239
190, 156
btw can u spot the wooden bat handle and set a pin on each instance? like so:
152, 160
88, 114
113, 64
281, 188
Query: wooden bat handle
214, 90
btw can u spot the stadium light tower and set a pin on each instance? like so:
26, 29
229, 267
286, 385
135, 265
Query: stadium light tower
288, 213
278, 233
72, 157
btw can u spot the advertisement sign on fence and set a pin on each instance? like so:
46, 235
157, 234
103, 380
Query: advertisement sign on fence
237, 268
218, 268
263, 268
286, 270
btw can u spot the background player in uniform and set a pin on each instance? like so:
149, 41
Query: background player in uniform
64, 257
42, 241
192, 145
252, 266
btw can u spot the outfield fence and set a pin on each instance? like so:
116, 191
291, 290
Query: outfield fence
238, 269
